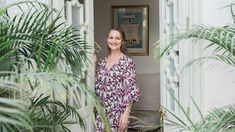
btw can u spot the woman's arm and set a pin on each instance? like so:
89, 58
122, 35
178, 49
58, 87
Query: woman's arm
131, 93
128, 108
124, 120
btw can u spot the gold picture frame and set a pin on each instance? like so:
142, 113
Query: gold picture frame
134, 20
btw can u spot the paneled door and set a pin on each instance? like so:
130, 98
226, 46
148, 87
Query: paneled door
177, 16
169, 64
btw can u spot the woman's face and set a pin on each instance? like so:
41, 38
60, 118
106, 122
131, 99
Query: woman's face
114, 40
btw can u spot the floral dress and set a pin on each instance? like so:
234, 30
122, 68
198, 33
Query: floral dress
116, 87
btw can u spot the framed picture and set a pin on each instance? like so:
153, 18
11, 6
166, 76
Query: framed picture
134, 20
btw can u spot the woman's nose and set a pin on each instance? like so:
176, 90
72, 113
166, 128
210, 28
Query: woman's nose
113, 40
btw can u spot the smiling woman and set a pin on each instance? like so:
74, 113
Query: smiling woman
116, 83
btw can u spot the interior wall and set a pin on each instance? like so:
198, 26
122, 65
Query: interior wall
146, 66
218, 79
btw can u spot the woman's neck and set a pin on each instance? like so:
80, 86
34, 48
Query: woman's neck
116, 54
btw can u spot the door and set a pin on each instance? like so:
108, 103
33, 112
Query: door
177, 16
169, 64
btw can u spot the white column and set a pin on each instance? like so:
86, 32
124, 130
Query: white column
89, 24
81, 16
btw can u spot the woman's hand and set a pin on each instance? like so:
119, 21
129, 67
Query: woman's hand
94, 57
123, 123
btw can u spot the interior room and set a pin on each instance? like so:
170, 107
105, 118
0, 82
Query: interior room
147, 67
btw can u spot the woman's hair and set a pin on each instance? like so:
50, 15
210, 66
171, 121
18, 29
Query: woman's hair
123, 37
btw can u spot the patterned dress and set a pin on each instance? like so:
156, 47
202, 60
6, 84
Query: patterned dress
116, 87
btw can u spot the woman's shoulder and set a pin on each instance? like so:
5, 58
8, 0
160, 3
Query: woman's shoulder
101, 60
128, 58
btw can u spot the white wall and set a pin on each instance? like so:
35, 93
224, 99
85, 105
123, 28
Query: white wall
219, 84
215, 13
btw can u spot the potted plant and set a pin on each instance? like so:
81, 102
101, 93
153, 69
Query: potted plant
36, 50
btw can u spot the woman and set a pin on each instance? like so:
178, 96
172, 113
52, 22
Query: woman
116, 82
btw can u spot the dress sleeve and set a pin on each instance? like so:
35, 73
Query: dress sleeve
131, 90
97, 76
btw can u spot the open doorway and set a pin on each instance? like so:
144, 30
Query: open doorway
147, 69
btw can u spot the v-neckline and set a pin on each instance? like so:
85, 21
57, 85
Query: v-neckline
111, 67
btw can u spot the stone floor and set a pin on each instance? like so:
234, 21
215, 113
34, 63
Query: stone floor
144, 120
144, 131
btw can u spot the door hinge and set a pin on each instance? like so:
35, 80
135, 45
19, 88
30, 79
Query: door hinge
162, 113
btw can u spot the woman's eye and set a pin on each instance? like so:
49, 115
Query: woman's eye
118, 38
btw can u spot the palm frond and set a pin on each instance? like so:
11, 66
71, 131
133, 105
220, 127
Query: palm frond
156, 49
54, 86
219, 119
222, 38
50, 115
12, 114
182, 109
12, 111
198, 109
40, 43
46, 41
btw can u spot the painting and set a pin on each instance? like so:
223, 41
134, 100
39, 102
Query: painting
134, 20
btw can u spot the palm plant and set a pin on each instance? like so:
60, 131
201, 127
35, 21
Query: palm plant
35, 51
219, 119
12, 114
221, 43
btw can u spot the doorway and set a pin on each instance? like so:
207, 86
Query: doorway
147, 68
